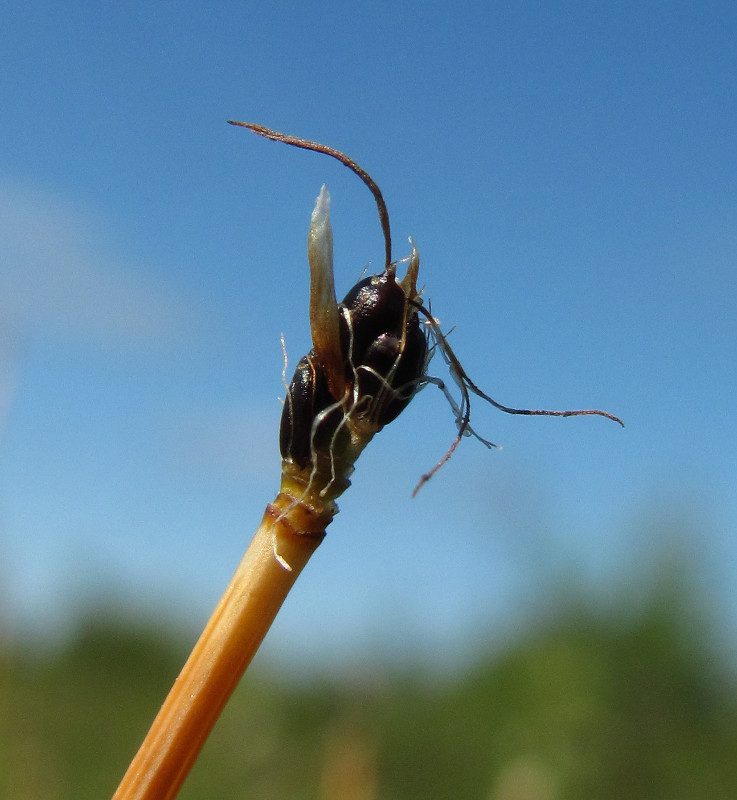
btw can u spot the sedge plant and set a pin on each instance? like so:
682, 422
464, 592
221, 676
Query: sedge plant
369, 357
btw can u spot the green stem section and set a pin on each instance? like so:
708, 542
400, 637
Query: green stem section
288, 535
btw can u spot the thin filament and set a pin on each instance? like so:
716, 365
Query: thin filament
466, 385
306, 144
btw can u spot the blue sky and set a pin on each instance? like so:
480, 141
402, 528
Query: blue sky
568, 171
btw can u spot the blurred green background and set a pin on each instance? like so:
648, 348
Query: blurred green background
624, 696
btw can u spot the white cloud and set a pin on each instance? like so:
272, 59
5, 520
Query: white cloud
59, 276
61, 279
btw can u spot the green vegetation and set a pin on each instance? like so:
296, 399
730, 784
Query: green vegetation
630, 707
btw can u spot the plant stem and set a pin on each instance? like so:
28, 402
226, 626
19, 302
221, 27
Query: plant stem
288, 535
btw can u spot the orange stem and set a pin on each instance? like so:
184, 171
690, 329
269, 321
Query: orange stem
286, 538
